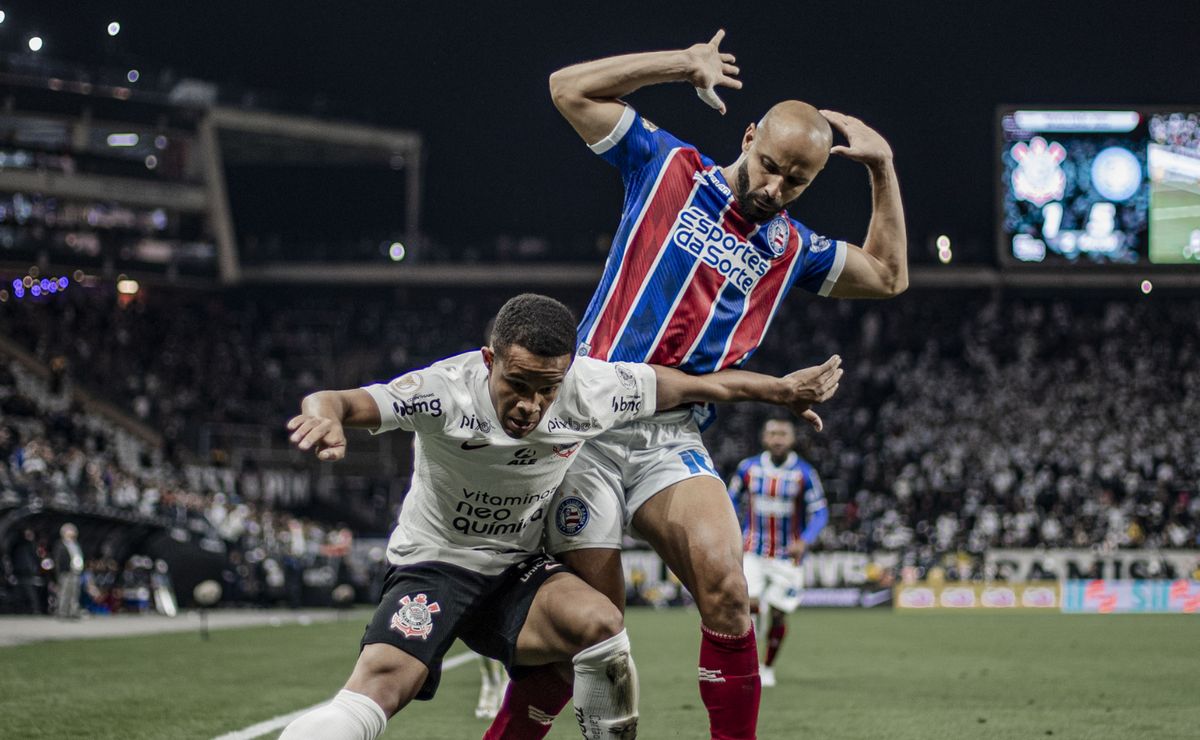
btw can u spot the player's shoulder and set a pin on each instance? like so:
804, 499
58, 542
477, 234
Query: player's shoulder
803, 465
443, 383
749, 462
810, 240
644, 127
589, 371
448, 372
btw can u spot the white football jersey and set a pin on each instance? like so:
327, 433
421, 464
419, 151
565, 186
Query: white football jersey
479, 497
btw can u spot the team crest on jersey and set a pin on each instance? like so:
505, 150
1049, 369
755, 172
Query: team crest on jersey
819, 244
777, 236
566, 450
583, 349
414, 619
572, 516
406, 385
625, 375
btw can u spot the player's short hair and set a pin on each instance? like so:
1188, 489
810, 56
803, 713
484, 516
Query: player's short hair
777, 419
538, 323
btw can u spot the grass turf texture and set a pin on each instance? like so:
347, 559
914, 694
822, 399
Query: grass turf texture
842, 674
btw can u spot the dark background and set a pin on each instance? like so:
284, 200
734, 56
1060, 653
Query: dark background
471, 77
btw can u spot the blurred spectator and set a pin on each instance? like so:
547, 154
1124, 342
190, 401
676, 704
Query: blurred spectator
25, 572
68, 563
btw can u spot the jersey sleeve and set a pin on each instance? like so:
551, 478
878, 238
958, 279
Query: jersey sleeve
615, 392
814, 503
814, 492
418, 401
821, 262
633, 143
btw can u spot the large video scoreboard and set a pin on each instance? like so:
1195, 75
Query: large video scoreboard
1114, 186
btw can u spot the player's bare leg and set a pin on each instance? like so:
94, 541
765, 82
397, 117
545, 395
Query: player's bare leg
534, 699
693, 527
599, 568
570, 621
384, 680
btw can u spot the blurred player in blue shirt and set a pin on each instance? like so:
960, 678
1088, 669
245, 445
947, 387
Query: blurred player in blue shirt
781, 503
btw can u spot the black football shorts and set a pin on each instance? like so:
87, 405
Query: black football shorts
426, 606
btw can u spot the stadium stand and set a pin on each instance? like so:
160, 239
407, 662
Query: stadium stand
943, 439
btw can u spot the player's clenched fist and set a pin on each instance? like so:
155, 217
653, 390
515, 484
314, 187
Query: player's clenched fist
325, 434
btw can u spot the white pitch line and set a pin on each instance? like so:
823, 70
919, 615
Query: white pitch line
276, 723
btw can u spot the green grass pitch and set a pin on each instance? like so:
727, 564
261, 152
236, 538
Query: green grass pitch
842, 674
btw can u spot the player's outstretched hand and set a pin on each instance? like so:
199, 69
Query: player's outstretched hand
325, 434
710, 68
865, 144
813, 385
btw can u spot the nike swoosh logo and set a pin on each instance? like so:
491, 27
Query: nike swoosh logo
469, 446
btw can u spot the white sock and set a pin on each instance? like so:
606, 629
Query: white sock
606, 689
349, 716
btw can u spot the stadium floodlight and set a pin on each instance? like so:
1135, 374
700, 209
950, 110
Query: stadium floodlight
114, 28
133, 75
397, 252
2, 16
1147, 286
35, 43
116, 140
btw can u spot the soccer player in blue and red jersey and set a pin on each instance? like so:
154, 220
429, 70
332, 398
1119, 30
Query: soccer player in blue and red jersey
702, 258
782, 506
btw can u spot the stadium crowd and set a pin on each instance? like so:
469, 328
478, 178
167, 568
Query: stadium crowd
56, 455
966, 420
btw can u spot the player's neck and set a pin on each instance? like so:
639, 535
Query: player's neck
778, 460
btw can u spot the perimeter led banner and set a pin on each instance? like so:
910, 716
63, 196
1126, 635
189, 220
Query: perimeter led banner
995, 595
1119, 186
1131, 597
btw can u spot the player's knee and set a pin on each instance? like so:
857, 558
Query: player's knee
382, 674
724, 603
602, 621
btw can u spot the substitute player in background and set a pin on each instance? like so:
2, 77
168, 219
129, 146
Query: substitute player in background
702, 258
496, 430
776, 493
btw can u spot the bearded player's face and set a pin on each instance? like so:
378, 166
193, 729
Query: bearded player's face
774, 173
522, 386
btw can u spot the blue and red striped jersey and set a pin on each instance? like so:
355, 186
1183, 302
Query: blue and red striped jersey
778, 504
689, 281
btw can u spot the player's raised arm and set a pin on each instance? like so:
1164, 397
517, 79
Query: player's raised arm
323, 417
587, 94
798, 391
879, 269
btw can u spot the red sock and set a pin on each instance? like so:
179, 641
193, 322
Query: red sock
729, 684
530, 705
775, 639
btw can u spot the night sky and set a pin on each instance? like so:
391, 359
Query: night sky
471, 77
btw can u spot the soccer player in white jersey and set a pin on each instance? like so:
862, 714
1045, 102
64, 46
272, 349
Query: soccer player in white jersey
496, 430
781, 503
702, 258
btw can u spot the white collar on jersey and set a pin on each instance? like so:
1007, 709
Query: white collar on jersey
790, 461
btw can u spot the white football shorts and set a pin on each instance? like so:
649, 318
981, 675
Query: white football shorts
776, 582
617, 472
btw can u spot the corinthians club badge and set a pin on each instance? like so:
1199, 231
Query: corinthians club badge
415, 617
